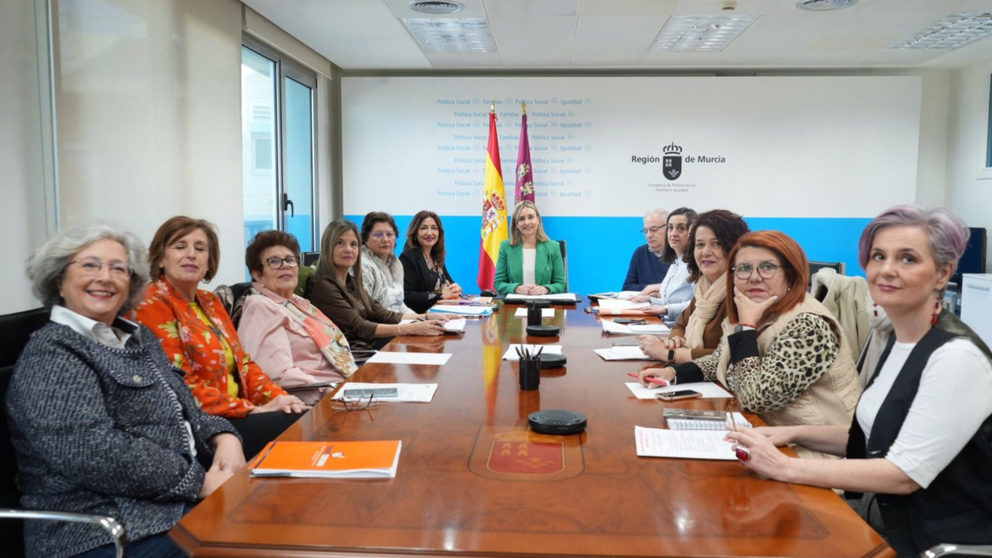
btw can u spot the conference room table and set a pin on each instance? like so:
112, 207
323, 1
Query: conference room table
473, 480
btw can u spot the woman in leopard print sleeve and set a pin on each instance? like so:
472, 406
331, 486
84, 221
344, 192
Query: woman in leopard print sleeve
783, 354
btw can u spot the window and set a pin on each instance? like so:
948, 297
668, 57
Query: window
278, 145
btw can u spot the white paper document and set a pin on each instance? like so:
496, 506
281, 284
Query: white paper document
385, 357
561, 297
622, 353
618, 307
683, 444
455, 326
511, 353
647, 329
464, 310
545, 313
623, 295
710, 390
406, 393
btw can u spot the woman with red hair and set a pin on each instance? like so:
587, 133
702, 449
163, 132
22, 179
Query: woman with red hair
783, 354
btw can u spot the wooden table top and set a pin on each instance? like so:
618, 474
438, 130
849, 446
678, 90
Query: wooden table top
474, 481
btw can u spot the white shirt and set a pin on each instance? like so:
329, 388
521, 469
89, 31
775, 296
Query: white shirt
113, 337
676, 290
530, 255
951, 404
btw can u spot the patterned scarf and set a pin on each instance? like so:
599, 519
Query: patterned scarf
707, 297
328, 338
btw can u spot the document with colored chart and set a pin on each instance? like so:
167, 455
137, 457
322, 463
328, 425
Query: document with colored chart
332, 460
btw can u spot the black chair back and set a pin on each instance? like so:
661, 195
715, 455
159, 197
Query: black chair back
15, 330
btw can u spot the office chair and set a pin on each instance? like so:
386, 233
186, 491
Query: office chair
15, 330
564, 261
937, 551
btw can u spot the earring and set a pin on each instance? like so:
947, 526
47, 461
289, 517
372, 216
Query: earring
874, 308
936, 313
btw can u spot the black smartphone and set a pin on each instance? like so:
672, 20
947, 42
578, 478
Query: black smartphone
378, 392
630, 321
676, 395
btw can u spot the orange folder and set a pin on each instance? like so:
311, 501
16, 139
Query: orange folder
339, 460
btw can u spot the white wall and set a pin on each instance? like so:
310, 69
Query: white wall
25, 146
969, 183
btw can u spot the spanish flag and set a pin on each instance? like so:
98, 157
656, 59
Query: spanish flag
494, 228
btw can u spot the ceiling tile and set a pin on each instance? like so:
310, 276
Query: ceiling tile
532, 8
895, 24
942, 7
852, 43
533, 43
808, 23
731, 59
789, 7
753, 42
838, 59
472, 8
535, 59
619, 26
627, 8
638, 44
710, 7
552, 26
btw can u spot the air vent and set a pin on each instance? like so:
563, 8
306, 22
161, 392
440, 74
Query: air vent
436, 8
825, 5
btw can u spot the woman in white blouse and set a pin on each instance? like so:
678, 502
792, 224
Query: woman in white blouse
920, 444
675, 291
382, 271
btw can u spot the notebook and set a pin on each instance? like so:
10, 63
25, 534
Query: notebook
333, 460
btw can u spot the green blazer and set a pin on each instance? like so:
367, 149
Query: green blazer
549, 269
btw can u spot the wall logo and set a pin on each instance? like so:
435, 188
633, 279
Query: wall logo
672, 162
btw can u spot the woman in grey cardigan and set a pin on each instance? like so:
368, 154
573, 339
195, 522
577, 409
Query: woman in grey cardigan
100, 420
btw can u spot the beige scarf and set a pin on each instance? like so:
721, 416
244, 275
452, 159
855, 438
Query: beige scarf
707, 299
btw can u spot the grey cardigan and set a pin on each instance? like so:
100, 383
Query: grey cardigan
100, 430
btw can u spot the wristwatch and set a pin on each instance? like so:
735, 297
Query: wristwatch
742, 327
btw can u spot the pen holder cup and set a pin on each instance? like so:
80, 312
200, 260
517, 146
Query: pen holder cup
534, 310
530, 374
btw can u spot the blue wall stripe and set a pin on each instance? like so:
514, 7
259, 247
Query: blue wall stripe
599, 248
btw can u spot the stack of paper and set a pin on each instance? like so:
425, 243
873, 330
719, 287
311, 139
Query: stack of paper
334, 460
707, 389
697, 423
621, 295
646, 329
689, 444
560, 297
608, 307
622, 353
406, 393
465, 310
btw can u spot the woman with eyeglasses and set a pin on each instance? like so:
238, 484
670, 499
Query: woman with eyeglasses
697, 332
338, 291
675, 291
782, 353
100, 419
198, 336
293, 341
382, 271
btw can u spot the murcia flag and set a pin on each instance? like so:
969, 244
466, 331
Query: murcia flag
494, 227
525, 174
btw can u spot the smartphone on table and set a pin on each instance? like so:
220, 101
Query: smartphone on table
677, 395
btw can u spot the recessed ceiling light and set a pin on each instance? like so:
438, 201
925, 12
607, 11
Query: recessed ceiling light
470, 35
701, 33
436, 8
952, 32
824, 5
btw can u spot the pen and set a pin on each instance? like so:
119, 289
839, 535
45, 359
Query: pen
660, 381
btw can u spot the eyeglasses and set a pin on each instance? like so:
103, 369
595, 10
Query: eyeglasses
92, 266
380, 235
359, 404
654, 230
766, 270
276, 263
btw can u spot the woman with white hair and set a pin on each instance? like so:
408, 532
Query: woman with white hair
100, 420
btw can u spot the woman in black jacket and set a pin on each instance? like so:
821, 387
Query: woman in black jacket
425, 279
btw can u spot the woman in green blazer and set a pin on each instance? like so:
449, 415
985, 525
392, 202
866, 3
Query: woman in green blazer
529, 263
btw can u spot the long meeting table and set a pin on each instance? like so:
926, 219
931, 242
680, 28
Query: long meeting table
473, 480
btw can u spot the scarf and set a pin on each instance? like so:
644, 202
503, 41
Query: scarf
327, 336
707, 299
